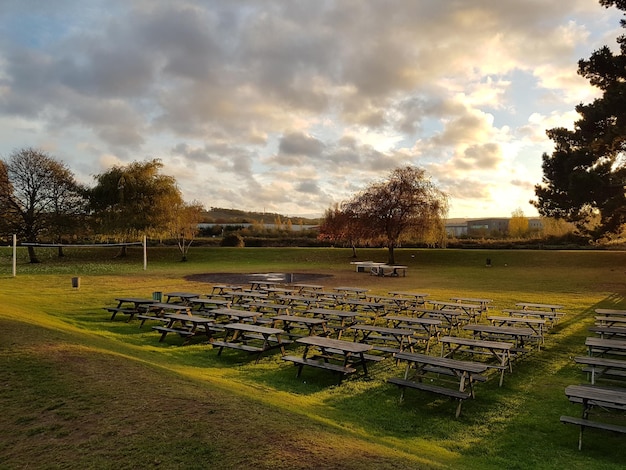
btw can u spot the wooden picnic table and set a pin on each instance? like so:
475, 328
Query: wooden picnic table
307, 287
535, 324
251, 338
314, 326
484, 303
233, 314
531, 305
123, 307
591, 396
206, 304
599, 366
517, 335
499, 350
344, 318
473, 311
609, 332
358, 292
186, 326
382, 338
551, 317
363, 306
183, 297
601, 346
335, 355
158, 310
425, 329
419, 297
609, 312
450, 317
611, 320
466, 374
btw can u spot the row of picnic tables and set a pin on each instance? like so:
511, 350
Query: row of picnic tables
267, 317
605, 361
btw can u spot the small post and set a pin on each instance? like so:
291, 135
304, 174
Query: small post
145, 253
14, 255
488, 263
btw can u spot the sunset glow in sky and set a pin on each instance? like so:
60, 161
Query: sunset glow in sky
290, 106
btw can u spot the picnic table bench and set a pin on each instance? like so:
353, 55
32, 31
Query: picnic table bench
382, 338
532, 305
499, 350
424, 329
601, 346
137, 307
336, 355
551, 317
611, 320
452, 318
338, 320
609, 312
519, 336
466, 373
185, 326
183, 297
598, 366
364, 266
312, 325
251, 338
384, 270
419, 297
535, 324
609, 332
484, 303
591, 396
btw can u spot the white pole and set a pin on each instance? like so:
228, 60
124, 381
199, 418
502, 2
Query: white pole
145, 254
14, 255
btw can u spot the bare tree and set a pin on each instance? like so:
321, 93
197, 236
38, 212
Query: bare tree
37, 193
405, 206
184, 225
339, 226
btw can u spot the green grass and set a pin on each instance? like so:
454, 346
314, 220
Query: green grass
79, 391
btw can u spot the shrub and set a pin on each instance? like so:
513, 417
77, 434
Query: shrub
233, 239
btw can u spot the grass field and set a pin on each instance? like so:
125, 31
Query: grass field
80, 391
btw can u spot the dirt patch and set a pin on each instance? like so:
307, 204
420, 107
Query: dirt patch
247, 278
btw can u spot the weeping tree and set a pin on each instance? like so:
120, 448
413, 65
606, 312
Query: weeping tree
405, 206
584, 179
39, 196
134, 200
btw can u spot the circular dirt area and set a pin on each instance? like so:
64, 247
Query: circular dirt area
246, 278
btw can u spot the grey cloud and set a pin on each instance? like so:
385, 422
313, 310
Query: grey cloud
298, 143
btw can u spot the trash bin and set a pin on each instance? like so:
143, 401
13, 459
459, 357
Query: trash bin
76, 282
488, 262
157, 296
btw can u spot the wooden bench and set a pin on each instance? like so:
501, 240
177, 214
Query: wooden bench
300, 362
241, 346
599, 366
165, 330
587, 423
131, 312
437, 389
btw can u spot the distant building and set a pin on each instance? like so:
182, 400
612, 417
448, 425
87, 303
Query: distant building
484, 227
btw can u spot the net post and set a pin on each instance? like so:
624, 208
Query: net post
145, 254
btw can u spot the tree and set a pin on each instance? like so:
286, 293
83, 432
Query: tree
405, 206
585, 175
340, 226
184, 225
134, 200
38, 194
518, 224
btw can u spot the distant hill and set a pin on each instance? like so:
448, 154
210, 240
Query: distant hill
218, 215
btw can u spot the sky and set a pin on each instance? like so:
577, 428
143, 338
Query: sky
293, 106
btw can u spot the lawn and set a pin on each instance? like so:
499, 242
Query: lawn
80, 391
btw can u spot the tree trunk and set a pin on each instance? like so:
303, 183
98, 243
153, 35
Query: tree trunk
353, 250
122, 253
32, 255
60, 252
392, 259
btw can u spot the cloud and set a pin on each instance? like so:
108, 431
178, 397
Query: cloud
294, 105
